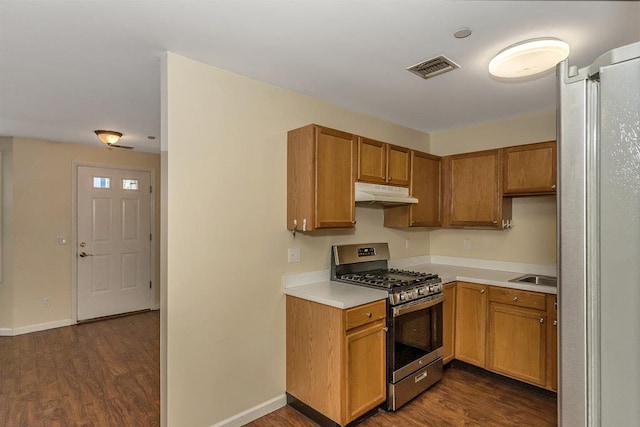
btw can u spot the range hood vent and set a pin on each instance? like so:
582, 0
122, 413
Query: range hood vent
433, 67
385, 195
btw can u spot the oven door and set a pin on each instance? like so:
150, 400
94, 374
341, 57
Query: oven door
415, 336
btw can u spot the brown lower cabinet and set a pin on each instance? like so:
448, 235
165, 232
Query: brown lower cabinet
471, 323
507, 331
336, 358
552, 342
448, 321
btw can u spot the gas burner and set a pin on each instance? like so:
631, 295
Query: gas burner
366, 265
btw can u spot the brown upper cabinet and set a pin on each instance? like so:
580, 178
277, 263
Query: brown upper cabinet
425, 185
530, 169
321, 165
382, 163
473, 190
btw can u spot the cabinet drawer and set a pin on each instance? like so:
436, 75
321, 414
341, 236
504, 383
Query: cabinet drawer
364, 314
517, 297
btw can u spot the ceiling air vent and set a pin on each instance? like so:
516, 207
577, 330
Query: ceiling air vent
433, 67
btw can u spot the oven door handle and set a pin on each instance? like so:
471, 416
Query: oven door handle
410, 308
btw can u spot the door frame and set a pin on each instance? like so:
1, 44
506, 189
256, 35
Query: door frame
74, 232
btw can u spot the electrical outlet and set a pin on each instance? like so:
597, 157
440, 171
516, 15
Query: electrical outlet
293, 255
46, 302
406, 244
467, 245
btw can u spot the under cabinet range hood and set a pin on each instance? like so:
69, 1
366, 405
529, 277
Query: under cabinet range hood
385, 195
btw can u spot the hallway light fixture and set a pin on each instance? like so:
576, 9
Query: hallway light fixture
529, 57
109, 137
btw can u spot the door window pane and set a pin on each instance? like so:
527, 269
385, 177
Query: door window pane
101, 182
129, 184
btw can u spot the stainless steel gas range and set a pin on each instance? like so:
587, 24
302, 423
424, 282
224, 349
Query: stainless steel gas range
414, 316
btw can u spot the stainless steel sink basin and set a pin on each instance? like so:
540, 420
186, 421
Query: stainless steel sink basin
536, 279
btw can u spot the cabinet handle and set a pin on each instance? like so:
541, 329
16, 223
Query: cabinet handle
555, 323
515, 299
494, 222
482, 291
542, 320
420, 377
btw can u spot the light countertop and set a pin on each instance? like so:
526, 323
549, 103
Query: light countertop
335, 294
452, 273
316, 287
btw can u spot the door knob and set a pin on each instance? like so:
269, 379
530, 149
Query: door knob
84, 254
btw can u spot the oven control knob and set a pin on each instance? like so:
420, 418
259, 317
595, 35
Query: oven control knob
421, 291
403, 297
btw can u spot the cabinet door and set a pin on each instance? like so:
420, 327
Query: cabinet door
474, 189
448, 322
530, 169
517, 342
398, 165
471, 323
335, 168
552, 342
365, 369
426, 185
320, 177
372, 161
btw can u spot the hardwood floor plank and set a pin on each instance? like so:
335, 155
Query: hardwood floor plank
101, 374
465, 396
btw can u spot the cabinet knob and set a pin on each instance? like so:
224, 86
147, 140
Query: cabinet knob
494, 222
553, 187
482, 291
369, 315
542, 320
515, 299
555, 323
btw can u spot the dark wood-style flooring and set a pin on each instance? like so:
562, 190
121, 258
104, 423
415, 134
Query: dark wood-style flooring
104, 373
465, 396
107, 373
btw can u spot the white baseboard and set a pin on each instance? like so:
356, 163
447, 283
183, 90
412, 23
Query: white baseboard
254, 413
35, 328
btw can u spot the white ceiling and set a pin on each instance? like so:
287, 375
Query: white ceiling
70, 67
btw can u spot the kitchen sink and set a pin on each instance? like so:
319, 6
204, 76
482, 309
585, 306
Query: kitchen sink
536, 279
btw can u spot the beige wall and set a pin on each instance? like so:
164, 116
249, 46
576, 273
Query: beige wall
6, 231
533, 237
227, 237
42, 181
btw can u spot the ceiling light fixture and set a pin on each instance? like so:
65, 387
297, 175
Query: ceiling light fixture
528, 57
109, 137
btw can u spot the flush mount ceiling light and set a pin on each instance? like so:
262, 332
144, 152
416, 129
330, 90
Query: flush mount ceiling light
109, 137
528, 57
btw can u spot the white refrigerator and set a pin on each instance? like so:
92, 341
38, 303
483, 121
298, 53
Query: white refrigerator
599, 240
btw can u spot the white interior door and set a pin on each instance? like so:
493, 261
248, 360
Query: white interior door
113, 241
